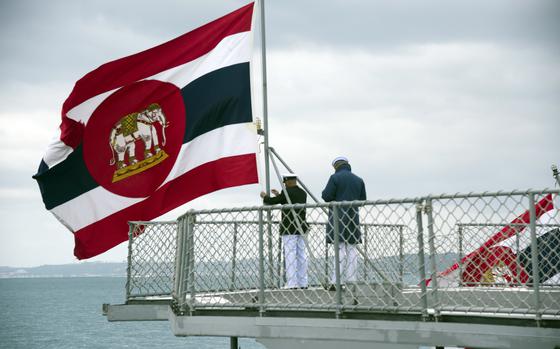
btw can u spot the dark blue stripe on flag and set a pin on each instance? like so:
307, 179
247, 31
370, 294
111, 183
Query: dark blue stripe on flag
220, 98
63, 181
548, 247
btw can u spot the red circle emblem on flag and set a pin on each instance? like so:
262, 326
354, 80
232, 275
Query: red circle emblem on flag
132, 139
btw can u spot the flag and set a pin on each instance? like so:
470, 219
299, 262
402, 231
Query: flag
499, 264
494, 265
479, 263
146, 133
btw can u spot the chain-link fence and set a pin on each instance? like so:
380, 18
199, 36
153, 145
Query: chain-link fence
493, 253
151, 259
489, 254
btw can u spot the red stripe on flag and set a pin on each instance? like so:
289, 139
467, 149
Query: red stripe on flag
484, 261
168, 55
223, 173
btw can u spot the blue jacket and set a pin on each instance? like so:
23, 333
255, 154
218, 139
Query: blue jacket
343, 185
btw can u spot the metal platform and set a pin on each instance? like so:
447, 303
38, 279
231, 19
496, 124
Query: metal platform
222, 273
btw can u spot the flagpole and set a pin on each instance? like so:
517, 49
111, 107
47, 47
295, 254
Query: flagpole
265, 101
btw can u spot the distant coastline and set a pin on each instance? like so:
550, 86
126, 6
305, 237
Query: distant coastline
86, 269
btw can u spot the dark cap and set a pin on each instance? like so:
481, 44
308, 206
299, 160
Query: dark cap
288, 176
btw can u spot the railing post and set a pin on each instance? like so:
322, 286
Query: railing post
366, 230
421, 262
280, 264
271, 254
534, 256
129, 260
190, 268
180, 263
234, 257
327, 279
517, 263
460, 261
401, 255
431, 239
336, 238
270, 257
261, 263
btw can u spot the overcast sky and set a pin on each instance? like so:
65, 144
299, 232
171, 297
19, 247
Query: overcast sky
422, 96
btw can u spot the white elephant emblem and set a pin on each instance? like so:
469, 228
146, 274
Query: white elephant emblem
135, 127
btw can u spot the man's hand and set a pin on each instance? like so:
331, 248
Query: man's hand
263, 194
275, 192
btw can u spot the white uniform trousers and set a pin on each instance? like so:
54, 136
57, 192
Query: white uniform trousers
295, 259
348, 257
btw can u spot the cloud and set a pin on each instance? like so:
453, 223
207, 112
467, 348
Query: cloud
423, 98
459, 116
385, 25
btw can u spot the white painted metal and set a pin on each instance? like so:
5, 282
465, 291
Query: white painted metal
326, 333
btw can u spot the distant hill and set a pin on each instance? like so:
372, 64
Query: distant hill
245, 269
86, 269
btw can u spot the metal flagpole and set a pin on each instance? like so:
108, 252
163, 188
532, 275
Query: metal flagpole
265, 101
266, 135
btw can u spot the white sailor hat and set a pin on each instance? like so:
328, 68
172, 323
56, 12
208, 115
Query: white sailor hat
339, 158
286, 176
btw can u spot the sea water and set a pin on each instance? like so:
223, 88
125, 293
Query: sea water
62, 313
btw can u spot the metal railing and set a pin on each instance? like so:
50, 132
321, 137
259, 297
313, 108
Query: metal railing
151, 259
483, 254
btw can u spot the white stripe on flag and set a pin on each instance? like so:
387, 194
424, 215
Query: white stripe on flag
231, 50
231, 140
57, 151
